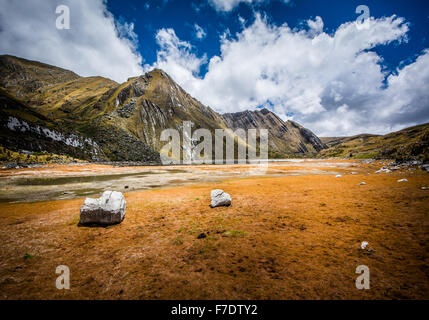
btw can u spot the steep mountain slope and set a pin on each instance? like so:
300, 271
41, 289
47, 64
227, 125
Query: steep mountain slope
73, 104
145, 106
54, 92
22, 77
22, 128
408, 144
285, 138
125, 121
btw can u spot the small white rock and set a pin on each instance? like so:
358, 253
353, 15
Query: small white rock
363, 245
362, 184
384, 170
403, 180
220, 199
338, 176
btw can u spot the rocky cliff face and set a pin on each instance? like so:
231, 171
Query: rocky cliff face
285, 138
123, 121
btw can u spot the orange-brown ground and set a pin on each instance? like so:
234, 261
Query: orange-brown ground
291, 237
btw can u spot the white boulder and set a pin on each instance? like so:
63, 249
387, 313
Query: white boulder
363, 245
107, 210
220, 199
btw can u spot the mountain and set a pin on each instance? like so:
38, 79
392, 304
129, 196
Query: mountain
285, 138
118, 122
408, 144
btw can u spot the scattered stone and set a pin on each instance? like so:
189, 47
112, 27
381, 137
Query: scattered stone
220, 199
395, 168
338, 176
202, 236
354, 173
366, 249
385, 170
362, 184
403, 180
67, 192
371, 250
126, 187
425, 188
107, 210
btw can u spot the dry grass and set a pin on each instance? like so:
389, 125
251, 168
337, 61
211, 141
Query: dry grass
294, 237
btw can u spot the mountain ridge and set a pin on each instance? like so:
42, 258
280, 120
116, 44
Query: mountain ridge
403, 145
125, 120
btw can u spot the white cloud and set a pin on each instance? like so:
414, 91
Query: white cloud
228, 5
199, 32
96, 44
332, 83
176, 57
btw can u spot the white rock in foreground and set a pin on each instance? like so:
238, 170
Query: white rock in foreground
338, 176
107, 210
220, 199
403, 180
362, 184
363, 245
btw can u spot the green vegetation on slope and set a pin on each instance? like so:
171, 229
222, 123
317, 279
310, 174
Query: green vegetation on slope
408, 144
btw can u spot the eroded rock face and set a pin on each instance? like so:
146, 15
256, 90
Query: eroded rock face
220, 199
107, 210
284, 137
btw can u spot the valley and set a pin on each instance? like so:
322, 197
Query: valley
293, 231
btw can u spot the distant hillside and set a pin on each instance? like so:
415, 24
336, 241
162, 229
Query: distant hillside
332, 141
123, 122
408, 144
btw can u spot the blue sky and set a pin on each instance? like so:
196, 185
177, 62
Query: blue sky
150, 16
306, 60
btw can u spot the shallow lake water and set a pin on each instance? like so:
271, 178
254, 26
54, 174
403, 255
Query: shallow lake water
71, 181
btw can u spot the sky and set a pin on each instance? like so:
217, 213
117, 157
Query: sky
313, 62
